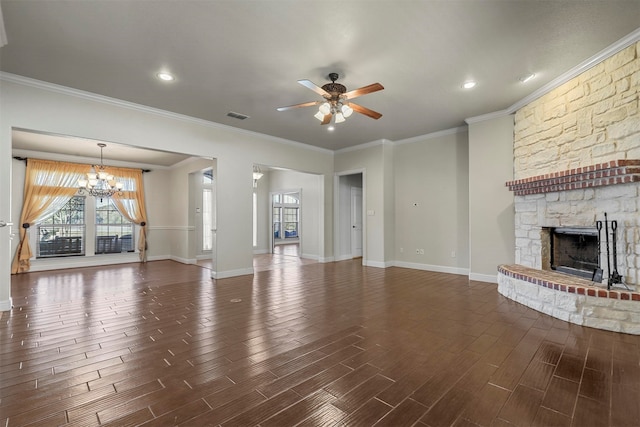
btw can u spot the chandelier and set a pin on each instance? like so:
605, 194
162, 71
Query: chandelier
98, 182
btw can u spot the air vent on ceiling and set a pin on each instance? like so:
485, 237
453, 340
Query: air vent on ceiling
237, 115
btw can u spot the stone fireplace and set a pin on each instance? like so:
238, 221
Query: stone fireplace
577, 157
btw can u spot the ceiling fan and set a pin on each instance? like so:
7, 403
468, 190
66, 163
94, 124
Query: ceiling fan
336, 103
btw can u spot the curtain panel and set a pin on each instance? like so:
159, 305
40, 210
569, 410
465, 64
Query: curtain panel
48, 186
130, 203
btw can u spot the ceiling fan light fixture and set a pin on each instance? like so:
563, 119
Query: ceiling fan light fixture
339, 117
325, 108
347, 111
319, 116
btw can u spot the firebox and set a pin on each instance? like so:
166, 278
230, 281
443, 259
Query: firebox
574, 250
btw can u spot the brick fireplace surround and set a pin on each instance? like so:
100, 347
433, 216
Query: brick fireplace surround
576, 152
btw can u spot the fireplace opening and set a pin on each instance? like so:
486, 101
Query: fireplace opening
574, 250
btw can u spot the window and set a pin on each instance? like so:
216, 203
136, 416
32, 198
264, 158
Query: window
290, 223
286, 216
255, 218
114, 233
207, 219
62, 234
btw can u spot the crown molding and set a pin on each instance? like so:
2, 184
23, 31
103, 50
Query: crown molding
488, 116
64, 90
607, 52
364, 146
432, 135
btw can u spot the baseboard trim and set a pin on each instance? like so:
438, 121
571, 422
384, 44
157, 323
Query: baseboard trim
6, 305
377, 264
231, 273
489, 278
436, 268
183, 260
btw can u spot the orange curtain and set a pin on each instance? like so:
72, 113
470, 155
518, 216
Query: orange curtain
48, 186
130, 202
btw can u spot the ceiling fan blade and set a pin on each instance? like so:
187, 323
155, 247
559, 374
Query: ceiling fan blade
364, 90
314, 87
304, 104
327, 119
364, 110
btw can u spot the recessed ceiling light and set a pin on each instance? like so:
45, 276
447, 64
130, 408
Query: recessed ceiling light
526, 78
165, 76
469, 84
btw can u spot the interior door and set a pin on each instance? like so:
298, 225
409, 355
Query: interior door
356, 222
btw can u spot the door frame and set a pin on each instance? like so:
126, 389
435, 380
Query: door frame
338, 209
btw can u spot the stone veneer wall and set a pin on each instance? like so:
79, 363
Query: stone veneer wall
593, 119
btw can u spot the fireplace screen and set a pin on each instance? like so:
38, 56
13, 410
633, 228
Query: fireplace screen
574, 250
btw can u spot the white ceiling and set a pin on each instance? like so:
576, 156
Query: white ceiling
246, 56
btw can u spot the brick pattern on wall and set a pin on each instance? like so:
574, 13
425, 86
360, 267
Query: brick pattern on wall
609, 173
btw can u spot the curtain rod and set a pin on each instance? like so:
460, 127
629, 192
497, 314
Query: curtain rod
24, 159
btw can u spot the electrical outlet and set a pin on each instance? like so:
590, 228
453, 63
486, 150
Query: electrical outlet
421, 251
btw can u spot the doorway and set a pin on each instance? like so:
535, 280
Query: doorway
349, 207
286, 233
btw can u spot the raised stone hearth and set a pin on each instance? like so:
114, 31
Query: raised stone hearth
571, 299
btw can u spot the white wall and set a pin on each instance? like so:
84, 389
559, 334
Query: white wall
431, 203
491, 204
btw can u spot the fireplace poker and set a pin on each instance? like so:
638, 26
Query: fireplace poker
606, 235
615, 277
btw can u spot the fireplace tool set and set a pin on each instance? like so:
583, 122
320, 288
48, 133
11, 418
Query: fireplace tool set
612, 253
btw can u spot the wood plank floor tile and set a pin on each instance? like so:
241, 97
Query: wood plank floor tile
561, 396
522, 406
484, 409
308, 344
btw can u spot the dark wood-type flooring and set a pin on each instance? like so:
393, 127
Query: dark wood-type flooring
308, 344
